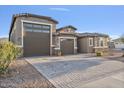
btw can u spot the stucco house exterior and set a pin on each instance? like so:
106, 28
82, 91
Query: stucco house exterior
37, 35
92, 42
118, 43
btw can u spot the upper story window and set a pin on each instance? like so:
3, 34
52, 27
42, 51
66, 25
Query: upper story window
90, 41
27, 25
36, 27
46, 27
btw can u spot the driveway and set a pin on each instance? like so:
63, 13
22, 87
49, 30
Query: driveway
80, 71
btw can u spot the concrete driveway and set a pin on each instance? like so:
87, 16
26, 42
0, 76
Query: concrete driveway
80, 71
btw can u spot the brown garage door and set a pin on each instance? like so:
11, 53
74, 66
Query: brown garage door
36, 44
67, 46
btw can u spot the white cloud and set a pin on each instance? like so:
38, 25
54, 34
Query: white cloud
60, 9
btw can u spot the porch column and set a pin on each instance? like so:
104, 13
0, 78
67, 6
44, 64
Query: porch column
51, 39
75, 45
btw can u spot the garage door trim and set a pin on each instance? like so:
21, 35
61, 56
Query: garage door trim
74, 39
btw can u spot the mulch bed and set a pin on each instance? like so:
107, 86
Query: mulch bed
23, 75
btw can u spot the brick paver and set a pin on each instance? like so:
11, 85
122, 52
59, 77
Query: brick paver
75, 70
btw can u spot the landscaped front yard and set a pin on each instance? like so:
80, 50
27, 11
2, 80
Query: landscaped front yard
83, 70
22, 75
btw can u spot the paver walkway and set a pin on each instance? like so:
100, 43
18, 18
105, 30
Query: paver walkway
80, 71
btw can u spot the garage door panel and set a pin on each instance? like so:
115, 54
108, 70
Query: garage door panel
36, 44
67, 46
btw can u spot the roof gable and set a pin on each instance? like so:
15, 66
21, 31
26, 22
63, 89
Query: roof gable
69, 26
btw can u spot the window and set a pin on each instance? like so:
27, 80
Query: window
46, 27
101, 42
36, 27
27, 25
29, 29
90, 41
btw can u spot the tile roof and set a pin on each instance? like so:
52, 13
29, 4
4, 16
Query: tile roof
92, 34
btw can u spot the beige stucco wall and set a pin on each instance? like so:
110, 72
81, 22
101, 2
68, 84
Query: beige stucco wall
83, 44
16, 34
65, 30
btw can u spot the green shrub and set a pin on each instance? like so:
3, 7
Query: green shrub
99, 53
8, 53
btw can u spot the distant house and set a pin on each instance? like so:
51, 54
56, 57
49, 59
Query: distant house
3, 39
118, 43
37, 35
111, 44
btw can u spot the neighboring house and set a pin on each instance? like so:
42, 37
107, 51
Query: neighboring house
118, 43
111, 44
92, 42
3, 39
37, 35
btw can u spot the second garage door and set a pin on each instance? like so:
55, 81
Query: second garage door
67, 46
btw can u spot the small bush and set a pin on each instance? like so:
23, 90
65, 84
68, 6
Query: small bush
99, 53
8, 53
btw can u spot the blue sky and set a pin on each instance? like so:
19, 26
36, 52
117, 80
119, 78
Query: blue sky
101, 19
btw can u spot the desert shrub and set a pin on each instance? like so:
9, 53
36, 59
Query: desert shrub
8, 53
99, 53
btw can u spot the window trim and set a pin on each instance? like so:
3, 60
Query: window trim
73, 38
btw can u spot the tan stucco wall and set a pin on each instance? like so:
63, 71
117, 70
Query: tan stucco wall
83, 44
16, 33
66, 29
